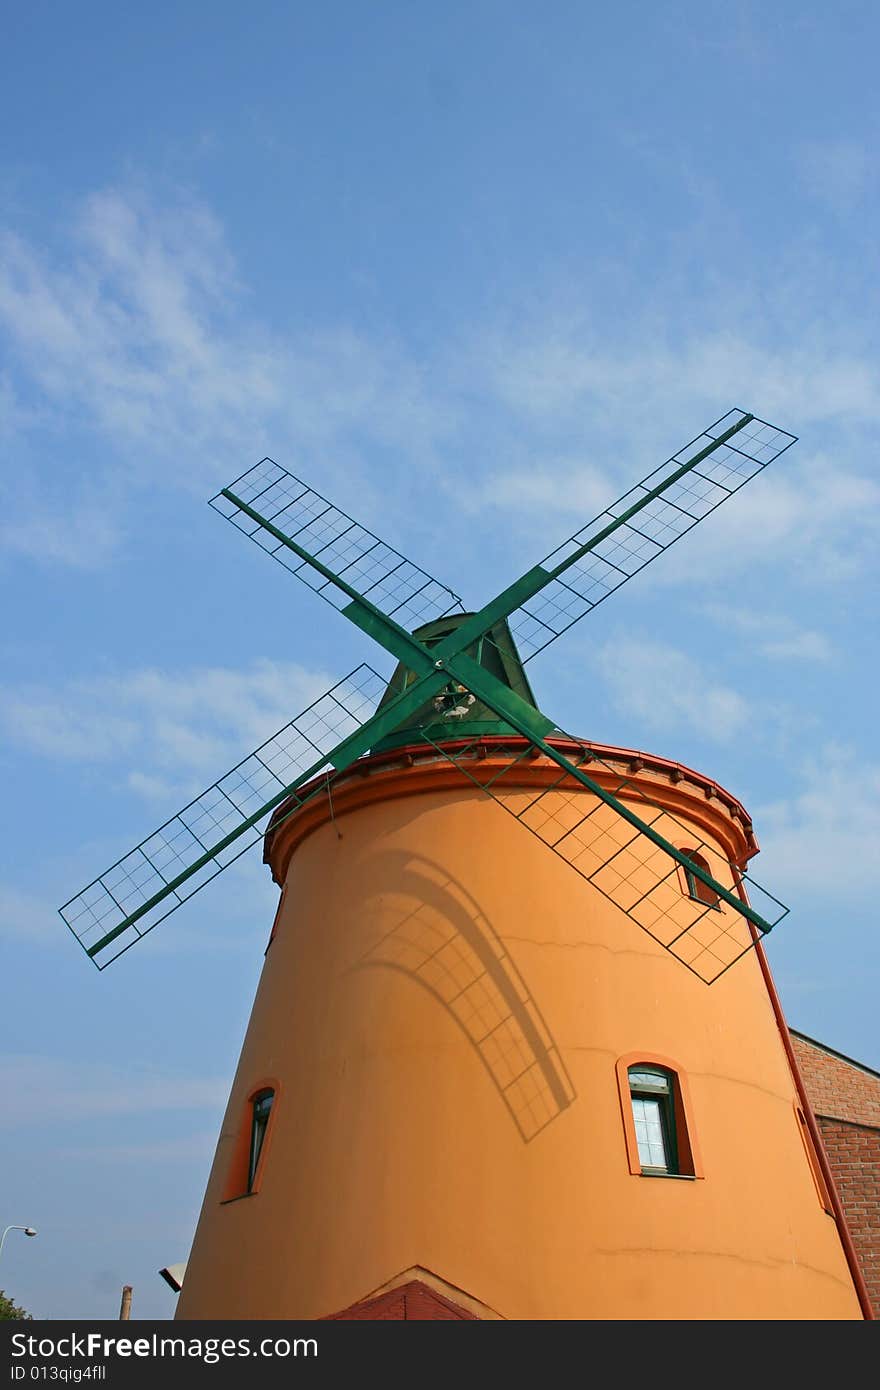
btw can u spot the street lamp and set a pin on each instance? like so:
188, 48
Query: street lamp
28, 1230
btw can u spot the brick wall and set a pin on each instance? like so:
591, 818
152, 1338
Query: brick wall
838, 1087
846, 1099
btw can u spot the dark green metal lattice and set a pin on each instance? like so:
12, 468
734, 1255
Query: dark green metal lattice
384, 594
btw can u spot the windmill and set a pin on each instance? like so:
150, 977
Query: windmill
385, 595
393, 1174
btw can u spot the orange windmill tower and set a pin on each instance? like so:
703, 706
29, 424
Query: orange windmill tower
515, 1051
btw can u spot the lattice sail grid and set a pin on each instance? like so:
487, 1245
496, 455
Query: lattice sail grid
396, 586
621, 861
191, 848
633, 544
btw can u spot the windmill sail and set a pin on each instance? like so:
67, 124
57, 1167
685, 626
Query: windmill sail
327, 549
700, 919
175, 861
640, 525
386, 595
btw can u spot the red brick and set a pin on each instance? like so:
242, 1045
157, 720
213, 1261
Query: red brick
845, 1096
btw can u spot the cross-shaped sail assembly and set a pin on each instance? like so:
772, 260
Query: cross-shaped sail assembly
606, 827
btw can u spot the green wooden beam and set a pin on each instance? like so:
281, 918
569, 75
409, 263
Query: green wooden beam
368, 734
488, 689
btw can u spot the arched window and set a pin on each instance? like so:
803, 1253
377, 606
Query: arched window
261, 1106
653, 1105
250, 1144
696, 888
656, 1110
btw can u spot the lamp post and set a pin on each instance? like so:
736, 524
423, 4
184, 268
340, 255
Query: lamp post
28, 1230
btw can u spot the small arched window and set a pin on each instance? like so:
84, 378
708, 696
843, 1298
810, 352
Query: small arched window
656, 1110
696, 888
251, 1141
653, 1104
261, 1106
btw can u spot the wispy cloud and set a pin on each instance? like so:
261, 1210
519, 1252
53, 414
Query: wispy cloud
589, 413
174, 724
560, 486
824, 837
182, 1148
667, 690
28, 916
823, 517
562, 367
238, 922
773, 635
139, 333
38, 1090
84, 537
838, 172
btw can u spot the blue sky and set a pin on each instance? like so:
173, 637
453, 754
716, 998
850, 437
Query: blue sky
471, 270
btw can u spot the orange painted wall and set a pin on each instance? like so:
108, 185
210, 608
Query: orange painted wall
419, 962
